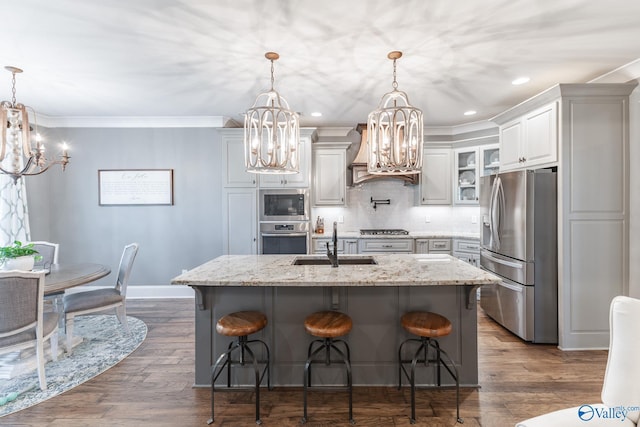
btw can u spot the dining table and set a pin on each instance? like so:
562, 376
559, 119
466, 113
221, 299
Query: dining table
64, 276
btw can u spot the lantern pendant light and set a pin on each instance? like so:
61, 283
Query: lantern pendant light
395, 133
271, 133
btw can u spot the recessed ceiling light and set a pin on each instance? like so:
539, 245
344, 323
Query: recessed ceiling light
316, 114
520, 81
469, 113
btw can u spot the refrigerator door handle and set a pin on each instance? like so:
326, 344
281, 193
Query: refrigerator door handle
512, 264
497, 196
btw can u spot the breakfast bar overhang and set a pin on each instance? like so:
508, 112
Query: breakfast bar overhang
374, 295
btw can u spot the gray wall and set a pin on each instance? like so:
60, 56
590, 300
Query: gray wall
64, 206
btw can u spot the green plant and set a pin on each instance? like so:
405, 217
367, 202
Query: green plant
17, 250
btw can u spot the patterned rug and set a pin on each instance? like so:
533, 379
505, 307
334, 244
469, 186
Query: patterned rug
104, 344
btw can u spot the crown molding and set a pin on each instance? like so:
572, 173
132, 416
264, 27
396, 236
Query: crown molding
135, 122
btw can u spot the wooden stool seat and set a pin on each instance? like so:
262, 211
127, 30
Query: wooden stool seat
328, 324
241, 323
426, 324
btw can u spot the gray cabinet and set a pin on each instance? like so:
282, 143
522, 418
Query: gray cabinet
345, 246
433, 246
435, 179
385, 246
329, 173
467, 250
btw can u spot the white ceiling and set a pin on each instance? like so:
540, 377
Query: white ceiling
206, 58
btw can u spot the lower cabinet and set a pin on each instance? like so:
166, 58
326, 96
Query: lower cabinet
345, 246
433, 246
386, 246
467, 251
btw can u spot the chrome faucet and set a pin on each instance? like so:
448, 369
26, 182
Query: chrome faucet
333, 257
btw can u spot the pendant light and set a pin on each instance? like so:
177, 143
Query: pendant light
21, 152
271, 133
395, 133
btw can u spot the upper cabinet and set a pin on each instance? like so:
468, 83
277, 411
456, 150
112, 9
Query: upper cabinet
435, 179
296, 180
489, 159
329, 173
530, 140
466, 176
235, 174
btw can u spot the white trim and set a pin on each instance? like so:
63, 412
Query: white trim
134, 122
622, 74
145, 292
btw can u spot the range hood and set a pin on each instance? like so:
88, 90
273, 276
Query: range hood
359, 170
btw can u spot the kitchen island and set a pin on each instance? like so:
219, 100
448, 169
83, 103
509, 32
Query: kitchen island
374, 295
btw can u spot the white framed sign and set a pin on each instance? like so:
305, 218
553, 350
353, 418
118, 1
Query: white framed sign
135, 187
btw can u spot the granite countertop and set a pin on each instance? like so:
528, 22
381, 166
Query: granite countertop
391, 270
411, 235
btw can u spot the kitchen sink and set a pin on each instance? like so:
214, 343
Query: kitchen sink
342, 260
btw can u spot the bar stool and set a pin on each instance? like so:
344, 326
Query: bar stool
328, 325
427, 326
241, 324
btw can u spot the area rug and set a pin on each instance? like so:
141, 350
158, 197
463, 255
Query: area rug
104, 344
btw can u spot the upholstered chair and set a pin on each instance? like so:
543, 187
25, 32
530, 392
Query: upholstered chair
23, 322
621, 388
49, 253
80, 303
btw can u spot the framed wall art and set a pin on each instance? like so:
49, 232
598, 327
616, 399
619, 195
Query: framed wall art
135, 187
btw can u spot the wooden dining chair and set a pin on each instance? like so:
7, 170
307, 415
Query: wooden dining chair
80, 303
23, 321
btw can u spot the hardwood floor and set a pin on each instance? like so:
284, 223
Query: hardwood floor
153, 386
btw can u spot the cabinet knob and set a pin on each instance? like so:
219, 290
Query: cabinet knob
342, 199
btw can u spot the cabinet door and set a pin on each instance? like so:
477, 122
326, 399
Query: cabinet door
422, 246
435, 179
541, 136
466, 176
239, 221
489, 159
510, 145
351, 246
235, 174
329, 177
294, 180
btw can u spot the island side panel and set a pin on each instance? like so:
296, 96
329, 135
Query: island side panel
374, 340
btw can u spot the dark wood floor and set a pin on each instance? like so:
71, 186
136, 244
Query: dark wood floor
153, 387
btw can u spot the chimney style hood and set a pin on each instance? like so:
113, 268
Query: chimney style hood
358, 167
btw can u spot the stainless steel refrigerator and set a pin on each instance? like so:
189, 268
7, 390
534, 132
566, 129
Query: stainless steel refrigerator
519, 244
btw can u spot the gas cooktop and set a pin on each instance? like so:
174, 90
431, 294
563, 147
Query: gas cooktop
384, 232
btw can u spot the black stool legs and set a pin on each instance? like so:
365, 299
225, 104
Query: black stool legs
225, 359
423, 349
327, 344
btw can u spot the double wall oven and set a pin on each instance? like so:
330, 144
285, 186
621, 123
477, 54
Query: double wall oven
284, 221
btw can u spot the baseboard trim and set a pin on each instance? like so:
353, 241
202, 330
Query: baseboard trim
146, 292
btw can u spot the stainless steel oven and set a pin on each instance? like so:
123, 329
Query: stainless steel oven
284, 237
285, 204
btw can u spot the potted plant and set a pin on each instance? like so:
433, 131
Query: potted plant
18, 257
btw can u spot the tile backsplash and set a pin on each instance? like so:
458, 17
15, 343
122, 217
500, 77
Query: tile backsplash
404, 211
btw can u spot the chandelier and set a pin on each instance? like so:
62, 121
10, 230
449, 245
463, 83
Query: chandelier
271, 133
24, 157
395, 132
